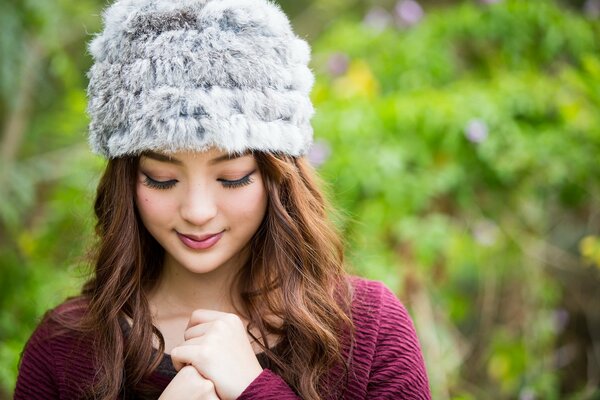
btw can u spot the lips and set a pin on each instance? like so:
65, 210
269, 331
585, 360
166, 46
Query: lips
200, 242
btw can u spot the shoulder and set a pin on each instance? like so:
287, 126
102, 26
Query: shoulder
370, 297
53, 349
379, 316
55, 322
386, 346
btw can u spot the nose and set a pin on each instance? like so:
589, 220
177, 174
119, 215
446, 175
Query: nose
199, 206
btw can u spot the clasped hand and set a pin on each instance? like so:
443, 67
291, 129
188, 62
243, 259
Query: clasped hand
216, 345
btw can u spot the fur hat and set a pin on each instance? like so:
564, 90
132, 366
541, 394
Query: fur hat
177, 75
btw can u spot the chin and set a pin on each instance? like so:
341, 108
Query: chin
199, 267
200, 264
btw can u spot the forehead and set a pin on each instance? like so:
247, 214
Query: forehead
212, 156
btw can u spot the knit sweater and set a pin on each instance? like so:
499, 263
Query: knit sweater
386, 361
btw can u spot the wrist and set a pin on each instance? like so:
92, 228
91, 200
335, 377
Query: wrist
249, 377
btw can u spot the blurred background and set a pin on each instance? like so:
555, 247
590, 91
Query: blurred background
460, 139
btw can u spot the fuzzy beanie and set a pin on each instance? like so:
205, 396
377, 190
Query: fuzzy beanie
186, 75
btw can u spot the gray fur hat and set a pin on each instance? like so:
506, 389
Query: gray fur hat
186, 75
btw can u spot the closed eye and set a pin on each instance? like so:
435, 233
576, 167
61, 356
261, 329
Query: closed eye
246, 180
154, 184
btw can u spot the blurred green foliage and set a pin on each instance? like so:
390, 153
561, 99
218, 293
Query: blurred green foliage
466, 148
463, 144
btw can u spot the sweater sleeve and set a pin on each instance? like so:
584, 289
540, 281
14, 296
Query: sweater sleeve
268, 386
36, 378
398, 369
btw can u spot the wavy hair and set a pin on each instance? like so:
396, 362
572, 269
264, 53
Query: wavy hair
295, 272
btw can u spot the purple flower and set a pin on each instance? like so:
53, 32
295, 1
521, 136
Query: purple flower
319, 152
476, 131
592, 8
485, 233
408, 12
338, 64
377, 19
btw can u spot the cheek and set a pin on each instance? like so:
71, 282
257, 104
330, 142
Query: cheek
248, 206
152, 206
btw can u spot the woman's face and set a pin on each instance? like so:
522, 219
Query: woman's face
203, 208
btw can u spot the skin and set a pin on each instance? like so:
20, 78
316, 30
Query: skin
193, 305
189, 384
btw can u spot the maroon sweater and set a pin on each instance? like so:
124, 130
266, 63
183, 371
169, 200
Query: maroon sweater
386, 360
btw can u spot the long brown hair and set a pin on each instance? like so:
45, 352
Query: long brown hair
295, 273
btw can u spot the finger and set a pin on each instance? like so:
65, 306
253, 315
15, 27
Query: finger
224, 326
193, 335
201, 316
187, 355
177, 364
196, 331
198, 340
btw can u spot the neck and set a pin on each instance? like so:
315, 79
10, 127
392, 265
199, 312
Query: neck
180, 291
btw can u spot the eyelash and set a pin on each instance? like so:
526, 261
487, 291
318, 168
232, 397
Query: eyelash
154, 184
151, 183
246, 180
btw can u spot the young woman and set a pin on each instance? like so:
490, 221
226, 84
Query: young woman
218, 274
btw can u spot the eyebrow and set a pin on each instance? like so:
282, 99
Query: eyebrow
227, 157
169, 159
162, 157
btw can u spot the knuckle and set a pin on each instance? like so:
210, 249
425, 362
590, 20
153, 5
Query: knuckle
199, 383
188, 372
220, 324
232, 319
196, 315
200, 357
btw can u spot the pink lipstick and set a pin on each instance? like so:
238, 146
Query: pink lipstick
200, 243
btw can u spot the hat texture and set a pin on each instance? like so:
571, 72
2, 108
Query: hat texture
187, 75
